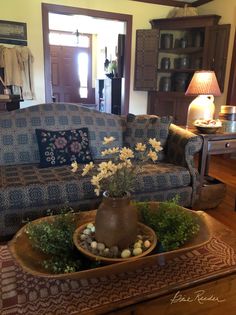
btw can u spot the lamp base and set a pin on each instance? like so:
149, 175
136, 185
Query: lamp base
202, 107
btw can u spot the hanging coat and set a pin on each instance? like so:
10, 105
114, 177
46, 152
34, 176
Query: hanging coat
26, 62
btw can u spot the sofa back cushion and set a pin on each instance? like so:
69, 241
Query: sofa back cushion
142, 127
18, 143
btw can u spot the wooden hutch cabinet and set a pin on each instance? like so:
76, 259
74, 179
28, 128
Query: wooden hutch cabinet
168, 55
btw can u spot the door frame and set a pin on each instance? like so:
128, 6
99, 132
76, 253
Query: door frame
231, 93
60, 9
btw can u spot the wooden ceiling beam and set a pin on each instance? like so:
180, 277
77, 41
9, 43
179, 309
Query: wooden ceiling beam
200, 2
174, 3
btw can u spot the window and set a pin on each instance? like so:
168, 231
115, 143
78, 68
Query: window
69, 39
83, 66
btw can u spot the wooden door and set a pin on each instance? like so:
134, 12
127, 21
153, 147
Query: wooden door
64, 70
216, 50
147, 44
65, 75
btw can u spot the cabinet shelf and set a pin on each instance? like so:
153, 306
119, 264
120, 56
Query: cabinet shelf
182, 51
176, 70
172, 93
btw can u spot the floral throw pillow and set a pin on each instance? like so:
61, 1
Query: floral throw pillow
58, 148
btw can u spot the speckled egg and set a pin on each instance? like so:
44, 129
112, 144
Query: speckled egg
137, 251
137, 245
87, 231
100, 246
94, 244
147, 244
126, 253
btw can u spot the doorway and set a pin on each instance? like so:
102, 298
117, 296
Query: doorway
71, 68
46, 10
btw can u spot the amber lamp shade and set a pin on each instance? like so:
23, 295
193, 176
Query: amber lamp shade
203, 84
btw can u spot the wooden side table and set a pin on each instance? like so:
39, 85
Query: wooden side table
213, 144
218, 143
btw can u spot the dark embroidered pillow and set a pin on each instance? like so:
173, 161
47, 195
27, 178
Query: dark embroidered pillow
143, 127
58, 148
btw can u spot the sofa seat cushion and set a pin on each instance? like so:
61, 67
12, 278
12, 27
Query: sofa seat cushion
161, 176
27, 191
23, 186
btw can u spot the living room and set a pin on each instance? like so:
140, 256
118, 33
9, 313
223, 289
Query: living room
119, 288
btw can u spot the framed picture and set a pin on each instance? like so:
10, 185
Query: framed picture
13, 32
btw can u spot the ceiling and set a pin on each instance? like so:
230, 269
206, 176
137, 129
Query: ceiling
177, 3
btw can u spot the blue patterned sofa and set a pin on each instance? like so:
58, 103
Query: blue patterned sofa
27, 191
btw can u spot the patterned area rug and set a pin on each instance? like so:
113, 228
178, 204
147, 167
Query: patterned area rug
21, 293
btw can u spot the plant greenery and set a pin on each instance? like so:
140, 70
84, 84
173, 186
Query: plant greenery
55, 238
172, 224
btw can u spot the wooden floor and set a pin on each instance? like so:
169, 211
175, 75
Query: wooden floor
224, 169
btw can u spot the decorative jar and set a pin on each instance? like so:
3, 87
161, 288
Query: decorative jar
116, 221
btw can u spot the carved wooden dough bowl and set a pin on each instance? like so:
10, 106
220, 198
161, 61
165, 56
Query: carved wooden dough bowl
29, 258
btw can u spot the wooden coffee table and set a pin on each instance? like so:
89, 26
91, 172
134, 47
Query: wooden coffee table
198, 280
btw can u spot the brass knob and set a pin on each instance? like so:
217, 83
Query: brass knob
227, 145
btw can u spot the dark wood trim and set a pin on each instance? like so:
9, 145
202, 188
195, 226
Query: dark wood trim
200, 2
231, 95
60, 9
174, 3
186, 22
171, 3
46, 51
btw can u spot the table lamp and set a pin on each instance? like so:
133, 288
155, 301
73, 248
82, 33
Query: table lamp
205, 85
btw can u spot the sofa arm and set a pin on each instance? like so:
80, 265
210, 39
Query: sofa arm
181, 147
